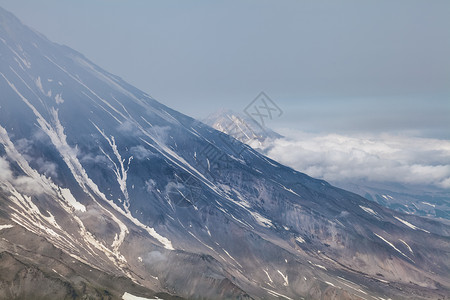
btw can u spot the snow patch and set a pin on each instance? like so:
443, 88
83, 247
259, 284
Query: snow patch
289, 190
268, 276
59, 99
120, 168
263, 221
128, 296
299, 239
369, 210
276, 294
285, 278
406, 244
410, 225
319, 266
23, 59
393, 246
70, 199
6, 226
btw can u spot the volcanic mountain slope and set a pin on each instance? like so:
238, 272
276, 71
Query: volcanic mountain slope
428, 201
105, 191
408, 198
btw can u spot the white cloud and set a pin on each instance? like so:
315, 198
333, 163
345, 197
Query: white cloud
95, 159
23, 184
383, 158
47, 168
5, 171
155, 257
150, 185
140, 152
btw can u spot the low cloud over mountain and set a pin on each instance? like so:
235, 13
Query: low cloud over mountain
334, 157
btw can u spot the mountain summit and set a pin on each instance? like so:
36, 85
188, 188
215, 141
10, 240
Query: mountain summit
107, 193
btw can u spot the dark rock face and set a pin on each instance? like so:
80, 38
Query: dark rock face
120, 194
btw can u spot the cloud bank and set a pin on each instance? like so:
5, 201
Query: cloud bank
382, 158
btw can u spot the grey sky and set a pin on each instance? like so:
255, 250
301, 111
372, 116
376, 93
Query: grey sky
333, 66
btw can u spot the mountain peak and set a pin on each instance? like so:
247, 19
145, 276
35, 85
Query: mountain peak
11, 28
241, 127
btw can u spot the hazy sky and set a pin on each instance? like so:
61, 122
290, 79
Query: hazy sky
331, 66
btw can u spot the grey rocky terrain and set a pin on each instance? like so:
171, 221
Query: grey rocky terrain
105, 191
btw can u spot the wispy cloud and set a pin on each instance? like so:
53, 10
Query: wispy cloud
382, 158
23, 184
140, 152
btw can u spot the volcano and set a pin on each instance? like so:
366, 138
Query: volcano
106, 193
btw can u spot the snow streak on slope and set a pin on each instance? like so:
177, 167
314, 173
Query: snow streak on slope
58, 138
128, 296
285, 278
410, 225
6, 226
393, 246
370, 211
70, 199
406, 244
119, 168
28, 215
160, 147
166, 242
